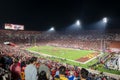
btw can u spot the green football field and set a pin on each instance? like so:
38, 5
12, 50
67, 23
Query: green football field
67, 53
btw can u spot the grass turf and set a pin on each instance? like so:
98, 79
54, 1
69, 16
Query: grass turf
67, 53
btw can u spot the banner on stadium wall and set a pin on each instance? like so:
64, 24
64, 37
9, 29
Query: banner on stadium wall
14, 27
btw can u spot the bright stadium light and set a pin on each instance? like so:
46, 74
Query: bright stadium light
52, 29
76, 26
105, 20
78, 23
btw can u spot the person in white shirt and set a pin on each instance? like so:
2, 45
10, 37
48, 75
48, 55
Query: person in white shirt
31, 70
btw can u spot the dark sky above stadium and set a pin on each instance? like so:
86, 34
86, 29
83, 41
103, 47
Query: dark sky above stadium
42, 14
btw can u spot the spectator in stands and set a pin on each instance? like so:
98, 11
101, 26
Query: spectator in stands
53, 72
83, 74
62, 76
45, 68
15, 69
42, 76
31, 70
71, 76
23, 65
6, 61
57, 74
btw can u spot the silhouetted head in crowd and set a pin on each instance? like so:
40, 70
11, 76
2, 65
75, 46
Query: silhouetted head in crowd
16, 60
42, 76
84, 73
62, 70
33, 59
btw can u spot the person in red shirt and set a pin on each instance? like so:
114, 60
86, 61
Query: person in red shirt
15, 69
53, 71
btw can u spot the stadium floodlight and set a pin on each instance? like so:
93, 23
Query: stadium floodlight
105, 20
78, 23
75, 26
52, 29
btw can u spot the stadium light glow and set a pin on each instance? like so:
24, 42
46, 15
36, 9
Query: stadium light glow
105, 20
75, 26
52, 29
78, 23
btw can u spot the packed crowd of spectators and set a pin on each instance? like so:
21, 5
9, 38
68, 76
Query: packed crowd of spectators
113, 62
79, 40
36, 35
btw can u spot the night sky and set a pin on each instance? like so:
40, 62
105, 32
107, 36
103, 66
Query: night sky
43, 14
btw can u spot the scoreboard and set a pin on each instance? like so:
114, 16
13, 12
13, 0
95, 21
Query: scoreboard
14, 26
